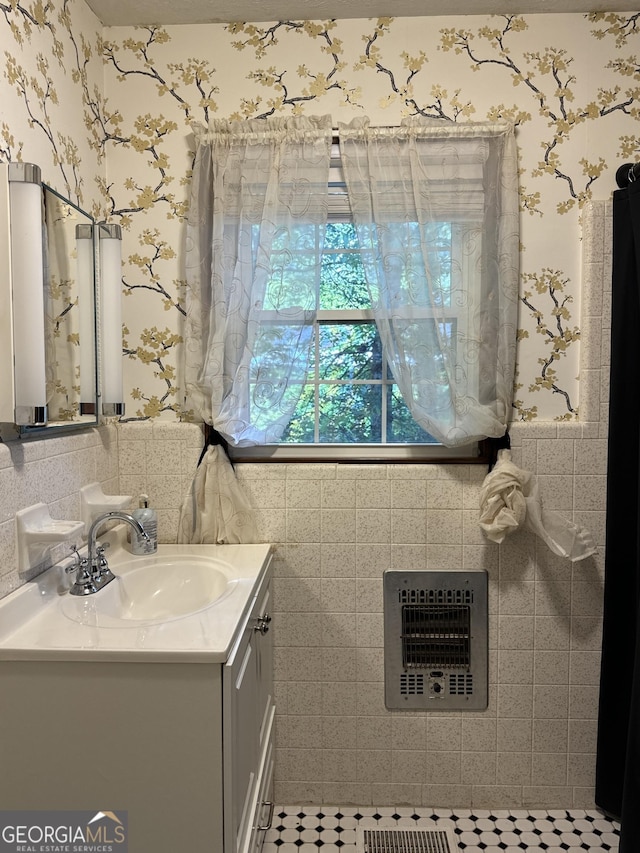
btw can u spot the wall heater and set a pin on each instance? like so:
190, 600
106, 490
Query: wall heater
435, 639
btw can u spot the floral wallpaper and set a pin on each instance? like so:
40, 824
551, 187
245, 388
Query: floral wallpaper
52, 83
106, 113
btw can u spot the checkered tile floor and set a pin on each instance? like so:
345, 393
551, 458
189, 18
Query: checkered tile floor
332, 829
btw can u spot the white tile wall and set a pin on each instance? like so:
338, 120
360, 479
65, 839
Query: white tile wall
158, 458
50, 471
335, 739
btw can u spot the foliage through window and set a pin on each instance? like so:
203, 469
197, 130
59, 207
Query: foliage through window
349, 396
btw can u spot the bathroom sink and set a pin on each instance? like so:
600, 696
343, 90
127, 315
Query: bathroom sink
155, 588
183, 603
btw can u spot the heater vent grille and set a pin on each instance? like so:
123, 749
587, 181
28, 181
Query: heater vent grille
461, 685
405, 841
411, 684
435, 596
436, 635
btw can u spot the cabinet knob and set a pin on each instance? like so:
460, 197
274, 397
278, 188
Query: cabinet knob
262, 623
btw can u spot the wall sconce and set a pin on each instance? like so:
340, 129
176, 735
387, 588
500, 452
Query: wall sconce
110, 245
85, 260
23, 400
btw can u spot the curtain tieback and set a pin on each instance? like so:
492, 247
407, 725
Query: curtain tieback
213, 438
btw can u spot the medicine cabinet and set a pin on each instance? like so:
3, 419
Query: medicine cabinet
49, 265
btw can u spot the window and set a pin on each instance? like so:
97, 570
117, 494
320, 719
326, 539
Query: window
275, 286
349, 405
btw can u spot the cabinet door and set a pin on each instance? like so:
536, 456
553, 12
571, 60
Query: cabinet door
248, 711
241, 740
264, 662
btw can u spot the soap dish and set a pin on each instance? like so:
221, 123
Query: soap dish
94, 502
37, 533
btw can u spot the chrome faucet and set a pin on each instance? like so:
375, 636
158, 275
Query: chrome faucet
93, 570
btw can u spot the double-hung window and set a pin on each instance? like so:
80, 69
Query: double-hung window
349, 405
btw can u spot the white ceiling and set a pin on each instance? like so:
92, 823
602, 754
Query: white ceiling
166, 12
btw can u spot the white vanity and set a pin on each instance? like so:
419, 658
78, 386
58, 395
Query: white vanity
105, 705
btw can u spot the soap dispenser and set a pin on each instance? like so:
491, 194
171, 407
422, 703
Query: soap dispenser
148, 518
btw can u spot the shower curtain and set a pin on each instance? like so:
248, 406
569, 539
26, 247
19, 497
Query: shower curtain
618, 748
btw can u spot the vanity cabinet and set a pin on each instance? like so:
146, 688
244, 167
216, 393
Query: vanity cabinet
183, 745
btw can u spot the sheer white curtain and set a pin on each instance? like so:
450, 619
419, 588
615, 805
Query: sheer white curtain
257, 216
435, 206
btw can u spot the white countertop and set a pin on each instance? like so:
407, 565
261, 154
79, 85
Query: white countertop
42, 621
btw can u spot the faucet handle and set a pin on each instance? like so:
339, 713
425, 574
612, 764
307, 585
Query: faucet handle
101, 566
83, 581
100, 549
75, 555
78, 561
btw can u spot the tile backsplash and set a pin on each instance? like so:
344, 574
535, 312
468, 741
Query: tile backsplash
129, 459
159, 459
50, 470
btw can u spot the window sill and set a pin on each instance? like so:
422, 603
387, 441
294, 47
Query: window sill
363, 453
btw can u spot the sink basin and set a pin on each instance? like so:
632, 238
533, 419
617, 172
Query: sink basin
154, 589
184, 603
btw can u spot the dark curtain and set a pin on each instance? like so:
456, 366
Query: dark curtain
618, 756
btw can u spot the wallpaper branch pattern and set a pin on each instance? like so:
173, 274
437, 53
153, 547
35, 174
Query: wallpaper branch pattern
117, 139
556, 334
318, 83
620, 26
555, 106
155, 345
404, 91
37, 83
148, 264
193, 72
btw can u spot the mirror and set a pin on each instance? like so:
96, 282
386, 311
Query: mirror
70, 314
48, 348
